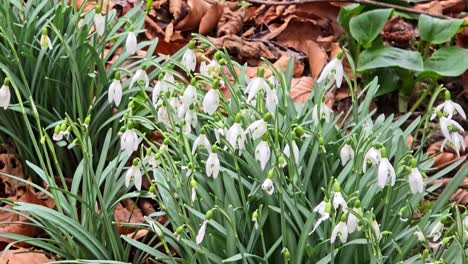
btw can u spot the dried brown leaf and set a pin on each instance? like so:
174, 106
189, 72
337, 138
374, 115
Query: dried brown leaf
22, 256
301, 89
211, 18
231, 22
432, 7
197, 9
168, 32
178, 9
127, 212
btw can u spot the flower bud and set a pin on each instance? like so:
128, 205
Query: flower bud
286, 254
344, 217
260, 72
267, 117
166, 141
193, 183
271, 173
152, 189
6, 82
340, 54
447, 95
299, 131
87, 120
238, 118
383, 152
426, 253
209, 214
336, 186
414, 163
357, 203
135, 162
218, 55
192, 44
180, 229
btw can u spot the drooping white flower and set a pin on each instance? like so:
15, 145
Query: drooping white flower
340, 230
201, 140
210, 70
5, 95
45, 40
376, 229
212, 165
323, 209
156, 93
131, 43
152, 160
194, 190
448, 125
385, 172
450, 108
436, 231
163, 115
346, 154
325, 113
416, 181
271, 100
257, 128
254, 87
338, 200
191, 120
189, 96
129, 141
456, 141
352, 223
99, 24
268, 186
333, 70
58, 136
262, 153
419, 235
255, 219
189, 59
134, 173
211, 102
372, 156
155, 228
140, 75
236, 136
115, 92
201, 232
295, 151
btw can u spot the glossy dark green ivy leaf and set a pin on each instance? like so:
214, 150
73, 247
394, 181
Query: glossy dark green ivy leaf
436, 30
389, 57
367, 26
448, 61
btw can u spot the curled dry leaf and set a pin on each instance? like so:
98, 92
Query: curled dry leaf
210, 20
197, 9
432, 7
452, 7
178, 9
127, 212
231, 22
168, 32
10, 165
301, 88
245, 50
22, 256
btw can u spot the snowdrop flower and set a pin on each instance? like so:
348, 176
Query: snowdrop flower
201, 140
236, 135
212, 69
163, 115
191, 120
157, 92
189, 59
131, 42
271, 101
415, 180
211, 102
372, 156
449, 108
262, 153
448, 125
5, 95
212, 164
256, 85
129, 141
153, 160
259, 127
340, 230
255, 219
333, 70
436, 231
268, 186
346, 154
323, 209
99, 21
338, 200
456, 141
140, 76
202, 230
155, 228
353, 220
45, 40
134, 173
295, 151
325, 113
419, 235
115, 90
189, 96
179, 231
194, 189
59, 132
385, 171
376, 229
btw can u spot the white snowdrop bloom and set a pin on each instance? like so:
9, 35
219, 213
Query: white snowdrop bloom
268, 186
191, 120
333, 70
456, 141
385, 172
419, 235
450, 108
152, 160
115, 92
236, 136
448, 125
210, 70
194, 194
168, 82
189, 59
58, 136
189, 96
155, 228
45, 40
325, 113
5, 95
353, 221
340, 230
416, 181
99, 23
134, 173
212, 165
376, 229
324, 213
372, 156
201, 232
175, 103
201, 140
131, 43
295, 151
346, 154
254, 87
157, 92
163, 116
255, 221
338, 200
257, 128
129, 141
262, 153
271, 100
211, 102
140, 75
436, 231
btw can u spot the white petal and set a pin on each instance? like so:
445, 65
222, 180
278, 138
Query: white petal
189, 60
327, 70
5, 97
268, 186
99, 24
376, 229
352, 222
262, 153
416, 181
257, 128
346, 154
211, 102
271, 101
339, 73
212, 165
201, 232
459, 110
338, 200
131, 43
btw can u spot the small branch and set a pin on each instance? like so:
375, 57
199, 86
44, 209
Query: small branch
364, 2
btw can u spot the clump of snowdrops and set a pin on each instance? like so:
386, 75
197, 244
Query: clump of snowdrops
245, 174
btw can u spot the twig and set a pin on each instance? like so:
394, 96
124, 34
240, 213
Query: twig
364, 2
